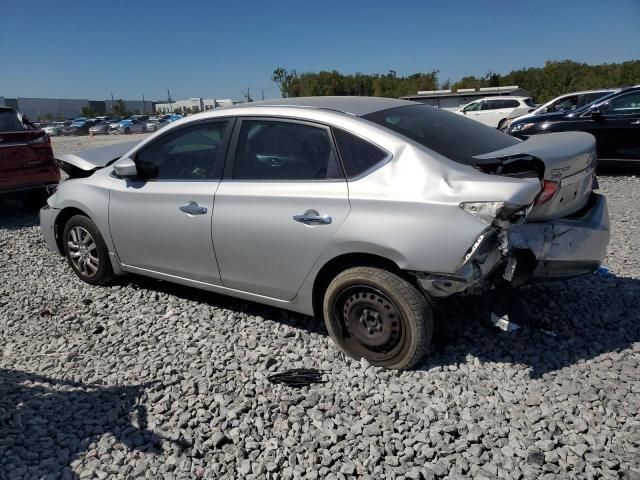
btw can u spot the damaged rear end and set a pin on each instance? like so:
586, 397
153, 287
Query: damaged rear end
563, 232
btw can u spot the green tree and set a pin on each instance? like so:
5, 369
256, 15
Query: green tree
87, 112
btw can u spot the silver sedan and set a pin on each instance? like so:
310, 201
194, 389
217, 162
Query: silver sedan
359, 211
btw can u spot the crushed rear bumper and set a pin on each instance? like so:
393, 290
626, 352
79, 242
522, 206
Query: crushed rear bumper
520, 253
568, 246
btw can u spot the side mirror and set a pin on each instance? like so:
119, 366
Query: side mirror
125, 168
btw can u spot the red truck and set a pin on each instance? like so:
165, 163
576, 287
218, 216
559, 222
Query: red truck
28, 171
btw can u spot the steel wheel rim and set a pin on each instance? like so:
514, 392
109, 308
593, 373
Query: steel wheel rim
370, 325
83, 251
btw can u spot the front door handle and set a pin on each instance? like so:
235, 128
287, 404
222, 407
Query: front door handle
192, 208
312, 217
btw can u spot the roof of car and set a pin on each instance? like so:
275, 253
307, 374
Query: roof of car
357, 106
502, 97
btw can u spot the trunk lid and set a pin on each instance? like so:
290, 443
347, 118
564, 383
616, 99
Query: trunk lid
567, 158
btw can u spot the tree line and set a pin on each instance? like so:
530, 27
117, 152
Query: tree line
544, 83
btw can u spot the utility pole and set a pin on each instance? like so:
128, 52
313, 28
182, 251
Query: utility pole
144, 105
169, 100
263, 94
111, 102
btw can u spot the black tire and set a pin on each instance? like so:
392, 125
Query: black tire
502, 126
34, 199
373, 313
127, 130
103, 273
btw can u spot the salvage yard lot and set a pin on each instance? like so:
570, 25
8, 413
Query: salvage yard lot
144, 378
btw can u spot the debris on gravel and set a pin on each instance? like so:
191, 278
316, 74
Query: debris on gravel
148, 379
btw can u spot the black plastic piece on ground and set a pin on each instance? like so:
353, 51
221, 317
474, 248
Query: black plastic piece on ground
297, 377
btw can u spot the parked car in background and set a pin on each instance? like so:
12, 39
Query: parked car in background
570, 101
613, 120
79, 127
497, 111
132, 125
156, 124
140, 118
55, 129
100, 128
353, 209
171, 118
27, 168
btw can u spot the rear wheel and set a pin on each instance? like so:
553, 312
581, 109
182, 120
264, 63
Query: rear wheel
502, 126
86, 251
374, 314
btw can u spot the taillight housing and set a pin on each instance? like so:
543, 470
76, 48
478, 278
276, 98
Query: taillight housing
549, 189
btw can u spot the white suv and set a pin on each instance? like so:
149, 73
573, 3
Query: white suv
496, 111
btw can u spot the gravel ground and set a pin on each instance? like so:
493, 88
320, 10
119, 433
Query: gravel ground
73, 144
148, 379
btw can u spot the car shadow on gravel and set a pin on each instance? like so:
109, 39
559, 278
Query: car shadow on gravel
14, 216
46, 423
284, 317
591, 316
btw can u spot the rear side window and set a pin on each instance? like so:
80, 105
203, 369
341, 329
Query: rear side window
529, 102
511, 103
454, 136
357, 154
9, 121
275, 150
191, 153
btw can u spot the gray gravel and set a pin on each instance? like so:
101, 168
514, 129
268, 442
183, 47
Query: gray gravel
148, 379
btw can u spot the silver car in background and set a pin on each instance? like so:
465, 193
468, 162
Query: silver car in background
357, 210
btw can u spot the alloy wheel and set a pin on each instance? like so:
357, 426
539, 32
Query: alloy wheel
83, 251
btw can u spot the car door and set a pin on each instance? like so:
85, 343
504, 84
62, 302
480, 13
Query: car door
492, 112
619, 126
161, 220
282, 199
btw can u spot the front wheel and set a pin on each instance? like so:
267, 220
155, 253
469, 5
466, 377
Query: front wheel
503, 125
86, 251
374, 314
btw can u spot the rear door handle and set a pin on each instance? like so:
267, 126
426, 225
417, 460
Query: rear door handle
192, 208
312, 217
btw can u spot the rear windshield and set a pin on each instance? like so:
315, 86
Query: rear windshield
9, 121
449, 134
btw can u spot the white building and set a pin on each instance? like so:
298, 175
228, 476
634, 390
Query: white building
193, 104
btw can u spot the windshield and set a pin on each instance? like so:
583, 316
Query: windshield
9, 121
449, 134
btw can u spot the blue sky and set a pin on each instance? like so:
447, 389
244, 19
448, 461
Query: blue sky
200, 48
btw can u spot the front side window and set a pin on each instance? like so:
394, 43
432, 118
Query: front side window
627, 104
568, 103
275, 150
357, 155
190, 153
